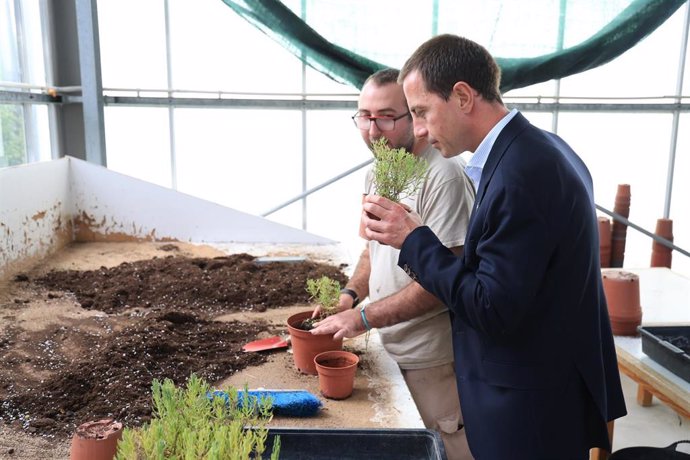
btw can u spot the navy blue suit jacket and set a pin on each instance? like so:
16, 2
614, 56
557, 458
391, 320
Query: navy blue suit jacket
534, 353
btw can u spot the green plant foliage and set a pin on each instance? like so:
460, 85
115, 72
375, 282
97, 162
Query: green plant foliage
326, 292
189, 424
397, 172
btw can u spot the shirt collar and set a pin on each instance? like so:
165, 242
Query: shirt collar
476, 164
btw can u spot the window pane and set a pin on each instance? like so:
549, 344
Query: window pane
42, 132
615, 154
249, 160
132, 39
137, 143
334, 146
679, 201
9, 53
12, 142
638, 72
214, 49
34, 67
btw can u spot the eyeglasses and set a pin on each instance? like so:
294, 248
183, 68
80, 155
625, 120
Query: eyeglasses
385, 123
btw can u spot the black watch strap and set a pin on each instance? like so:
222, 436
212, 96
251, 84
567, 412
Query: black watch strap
351, 293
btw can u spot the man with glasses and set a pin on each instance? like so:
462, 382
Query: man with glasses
422, 346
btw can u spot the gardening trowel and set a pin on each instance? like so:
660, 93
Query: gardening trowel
270, 343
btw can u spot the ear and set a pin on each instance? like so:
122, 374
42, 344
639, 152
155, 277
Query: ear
464, 95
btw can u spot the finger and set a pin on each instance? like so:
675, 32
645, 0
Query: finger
372, 234
377, 200
405, 207
371, 210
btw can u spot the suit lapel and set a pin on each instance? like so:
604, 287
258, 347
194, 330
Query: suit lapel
503, 141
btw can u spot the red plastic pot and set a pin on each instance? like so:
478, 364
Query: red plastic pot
662, 255
96, 440
336, 371
618, 229
604, 241
305, 345
622, 291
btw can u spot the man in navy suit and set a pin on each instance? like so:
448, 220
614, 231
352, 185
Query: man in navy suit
535, 359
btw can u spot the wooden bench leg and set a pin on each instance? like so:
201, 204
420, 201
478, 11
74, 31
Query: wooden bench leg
644, 397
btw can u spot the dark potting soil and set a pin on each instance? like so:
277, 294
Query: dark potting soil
159, 324
680, 341
203, 285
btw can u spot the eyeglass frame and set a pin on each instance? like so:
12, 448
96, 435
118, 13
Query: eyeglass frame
374, 118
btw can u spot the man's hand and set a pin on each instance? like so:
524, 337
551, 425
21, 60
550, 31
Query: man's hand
397, 221
344, 324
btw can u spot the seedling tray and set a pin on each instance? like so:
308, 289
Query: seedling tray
349, 444
668, 346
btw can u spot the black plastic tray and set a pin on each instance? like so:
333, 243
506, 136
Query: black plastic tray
663, 344
346, 444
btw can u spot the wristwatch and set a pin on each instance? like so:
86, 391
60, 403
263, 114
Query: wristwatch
351, 293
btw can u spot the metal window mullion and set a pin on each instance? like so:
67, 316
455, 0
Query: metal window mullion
303, 7
91, 82
676, 114
49, 65
559, 47
171, 108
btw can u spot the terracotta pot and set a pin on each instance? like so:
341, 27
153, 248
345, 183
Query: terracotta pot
622, 291
305, 345
618, 229
604, 241
337, 371
662, 255
96, 440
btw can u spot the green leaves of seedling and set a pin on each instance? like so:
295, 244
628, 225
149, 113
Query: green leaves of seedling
188, 424
397, 172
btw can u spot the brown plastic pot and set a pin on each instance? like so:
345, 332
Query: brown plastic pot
336, 371
622, 291
618, 229
305, 345
662, 255
604, 241
96, 440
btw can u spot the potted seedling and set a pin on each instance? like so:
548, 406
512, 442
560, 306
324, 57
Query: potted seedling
193, 422
325, 292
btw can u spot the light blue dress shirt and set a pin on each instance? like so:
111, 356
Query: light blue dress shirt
476, 164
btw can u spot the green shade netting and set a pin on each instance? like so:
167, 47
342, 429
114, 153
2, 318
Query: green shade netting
629, 23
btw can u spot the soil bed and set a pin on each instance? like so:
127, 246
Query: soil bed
106, 333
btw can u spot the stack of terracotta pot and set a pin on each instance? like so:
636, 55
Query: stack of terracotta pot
619, 229
622, 291
604, 241
661, 255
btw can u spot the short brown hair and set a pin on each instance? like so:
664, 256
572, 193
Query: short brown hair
447, 59
383, 77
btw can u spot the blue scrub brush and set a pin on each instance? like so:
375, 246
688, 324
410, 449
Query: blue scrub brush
287, 403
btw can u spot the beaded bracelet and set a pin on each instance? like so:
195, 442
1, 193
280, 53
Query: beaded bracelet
364, 318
